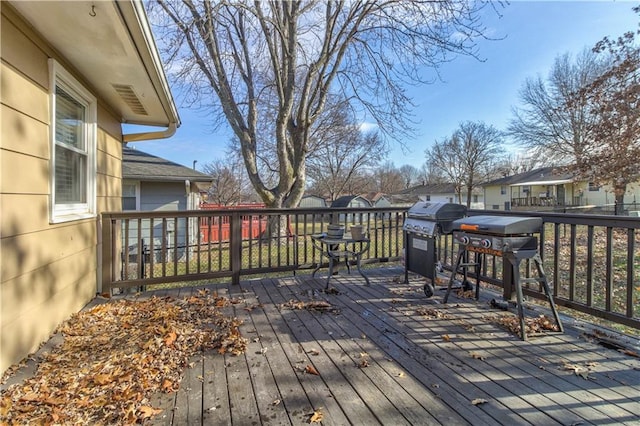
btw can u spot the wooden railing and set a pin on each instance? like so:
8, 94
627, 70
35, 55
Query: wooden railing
144, 248
592, 262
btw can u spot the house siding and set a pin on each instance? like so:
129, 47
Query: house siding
47, 271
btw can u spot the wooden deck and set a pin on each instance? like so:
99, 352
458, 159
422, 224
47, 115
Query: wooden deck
380, 361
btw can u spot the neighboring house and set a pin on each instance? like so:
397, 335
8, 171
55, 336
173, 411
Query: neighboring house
312, 201
71, 74
377, 199
352, 202
550, 188
151, 183
438, 193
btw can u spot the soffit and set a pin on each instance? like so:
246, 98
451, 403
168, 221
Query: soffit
113, 50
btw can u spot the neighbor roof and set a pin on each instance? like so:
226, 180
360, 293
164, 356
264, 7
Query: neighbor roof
345, 200
141, 166
541, 176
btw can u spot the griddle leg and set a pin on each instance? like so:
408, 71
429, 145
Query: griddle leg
515, 265
547, 291
461, 252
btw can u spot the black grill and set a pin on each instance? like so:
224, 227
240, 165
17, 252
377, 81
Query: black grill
424, 223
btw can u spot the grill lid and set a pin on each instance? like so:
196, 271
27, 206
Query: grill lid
436, 211
501, 225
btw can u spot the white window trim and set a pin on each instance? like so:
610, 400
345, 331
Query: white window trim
58, 76
137, 185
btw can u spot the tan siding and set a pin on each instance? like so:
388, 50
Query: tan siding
47, 271
110, 204
26, 253
112, 129
39, 309
22, 53
23, 174
23, 213
19, 93
50, 279
108, 164
17, 128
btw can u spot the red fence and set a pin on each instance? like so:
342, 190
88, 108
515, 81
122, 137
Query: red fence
219, 229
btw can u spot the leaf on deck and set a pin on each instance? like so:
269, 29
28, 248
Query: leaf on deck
311, 370
316, 417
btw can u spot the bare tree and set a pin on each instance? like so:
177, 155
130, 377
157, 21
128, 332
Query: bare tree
229, 184
548, 124
468, 157
431, 175
613, 99
410, 175
514, 164
268, 67
387, 179
339, 152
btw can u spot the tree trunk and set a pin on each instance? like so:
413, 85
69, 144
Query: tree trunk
619, 189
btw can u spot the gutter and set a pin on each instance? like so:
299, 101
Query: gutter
145, 136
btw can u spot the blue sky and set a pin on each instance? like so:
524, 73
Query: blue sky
529, 35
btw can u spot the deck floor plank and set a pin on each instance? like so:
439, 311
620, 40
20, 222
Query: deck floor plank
420, 369
335, 398
418, 405
376, 400
495, 368
590, 393
446, 367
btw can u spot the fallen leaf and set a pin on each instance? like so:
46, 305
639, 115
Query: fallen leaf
167, 386
276, 402
146, 411
102, 379
476, 356
316, 417
313, 352
311, 370
364, 363
401, 374
479, 401
170, 338
446, 338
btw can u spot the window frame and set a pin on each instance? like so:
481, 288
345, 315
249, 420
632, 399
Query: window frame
136, 184
65, 212
593, 187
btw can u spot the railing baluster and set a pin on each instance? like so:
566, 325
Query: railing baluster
609, 269
631, 282
572, 263
589, 266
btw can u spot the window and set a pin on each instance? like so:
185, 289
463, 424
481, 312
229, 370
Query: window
593, 187
130, 191
503, 190
428, 198
73, 147
475, 198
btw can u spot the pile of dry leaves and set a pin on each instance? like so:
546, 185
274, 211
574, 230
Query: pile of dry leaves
116, 355
536, 325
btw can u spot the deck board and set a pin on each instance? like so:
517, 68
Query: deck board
420, 369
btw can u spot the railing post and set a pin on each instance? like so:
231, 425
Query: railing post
235, 247
107, 254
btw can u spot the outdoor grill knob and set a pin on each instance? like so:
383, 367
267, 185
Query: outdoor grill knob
485, 243
465, 240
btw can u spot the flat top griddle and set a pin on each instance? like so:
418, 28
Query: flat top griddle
499, 225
